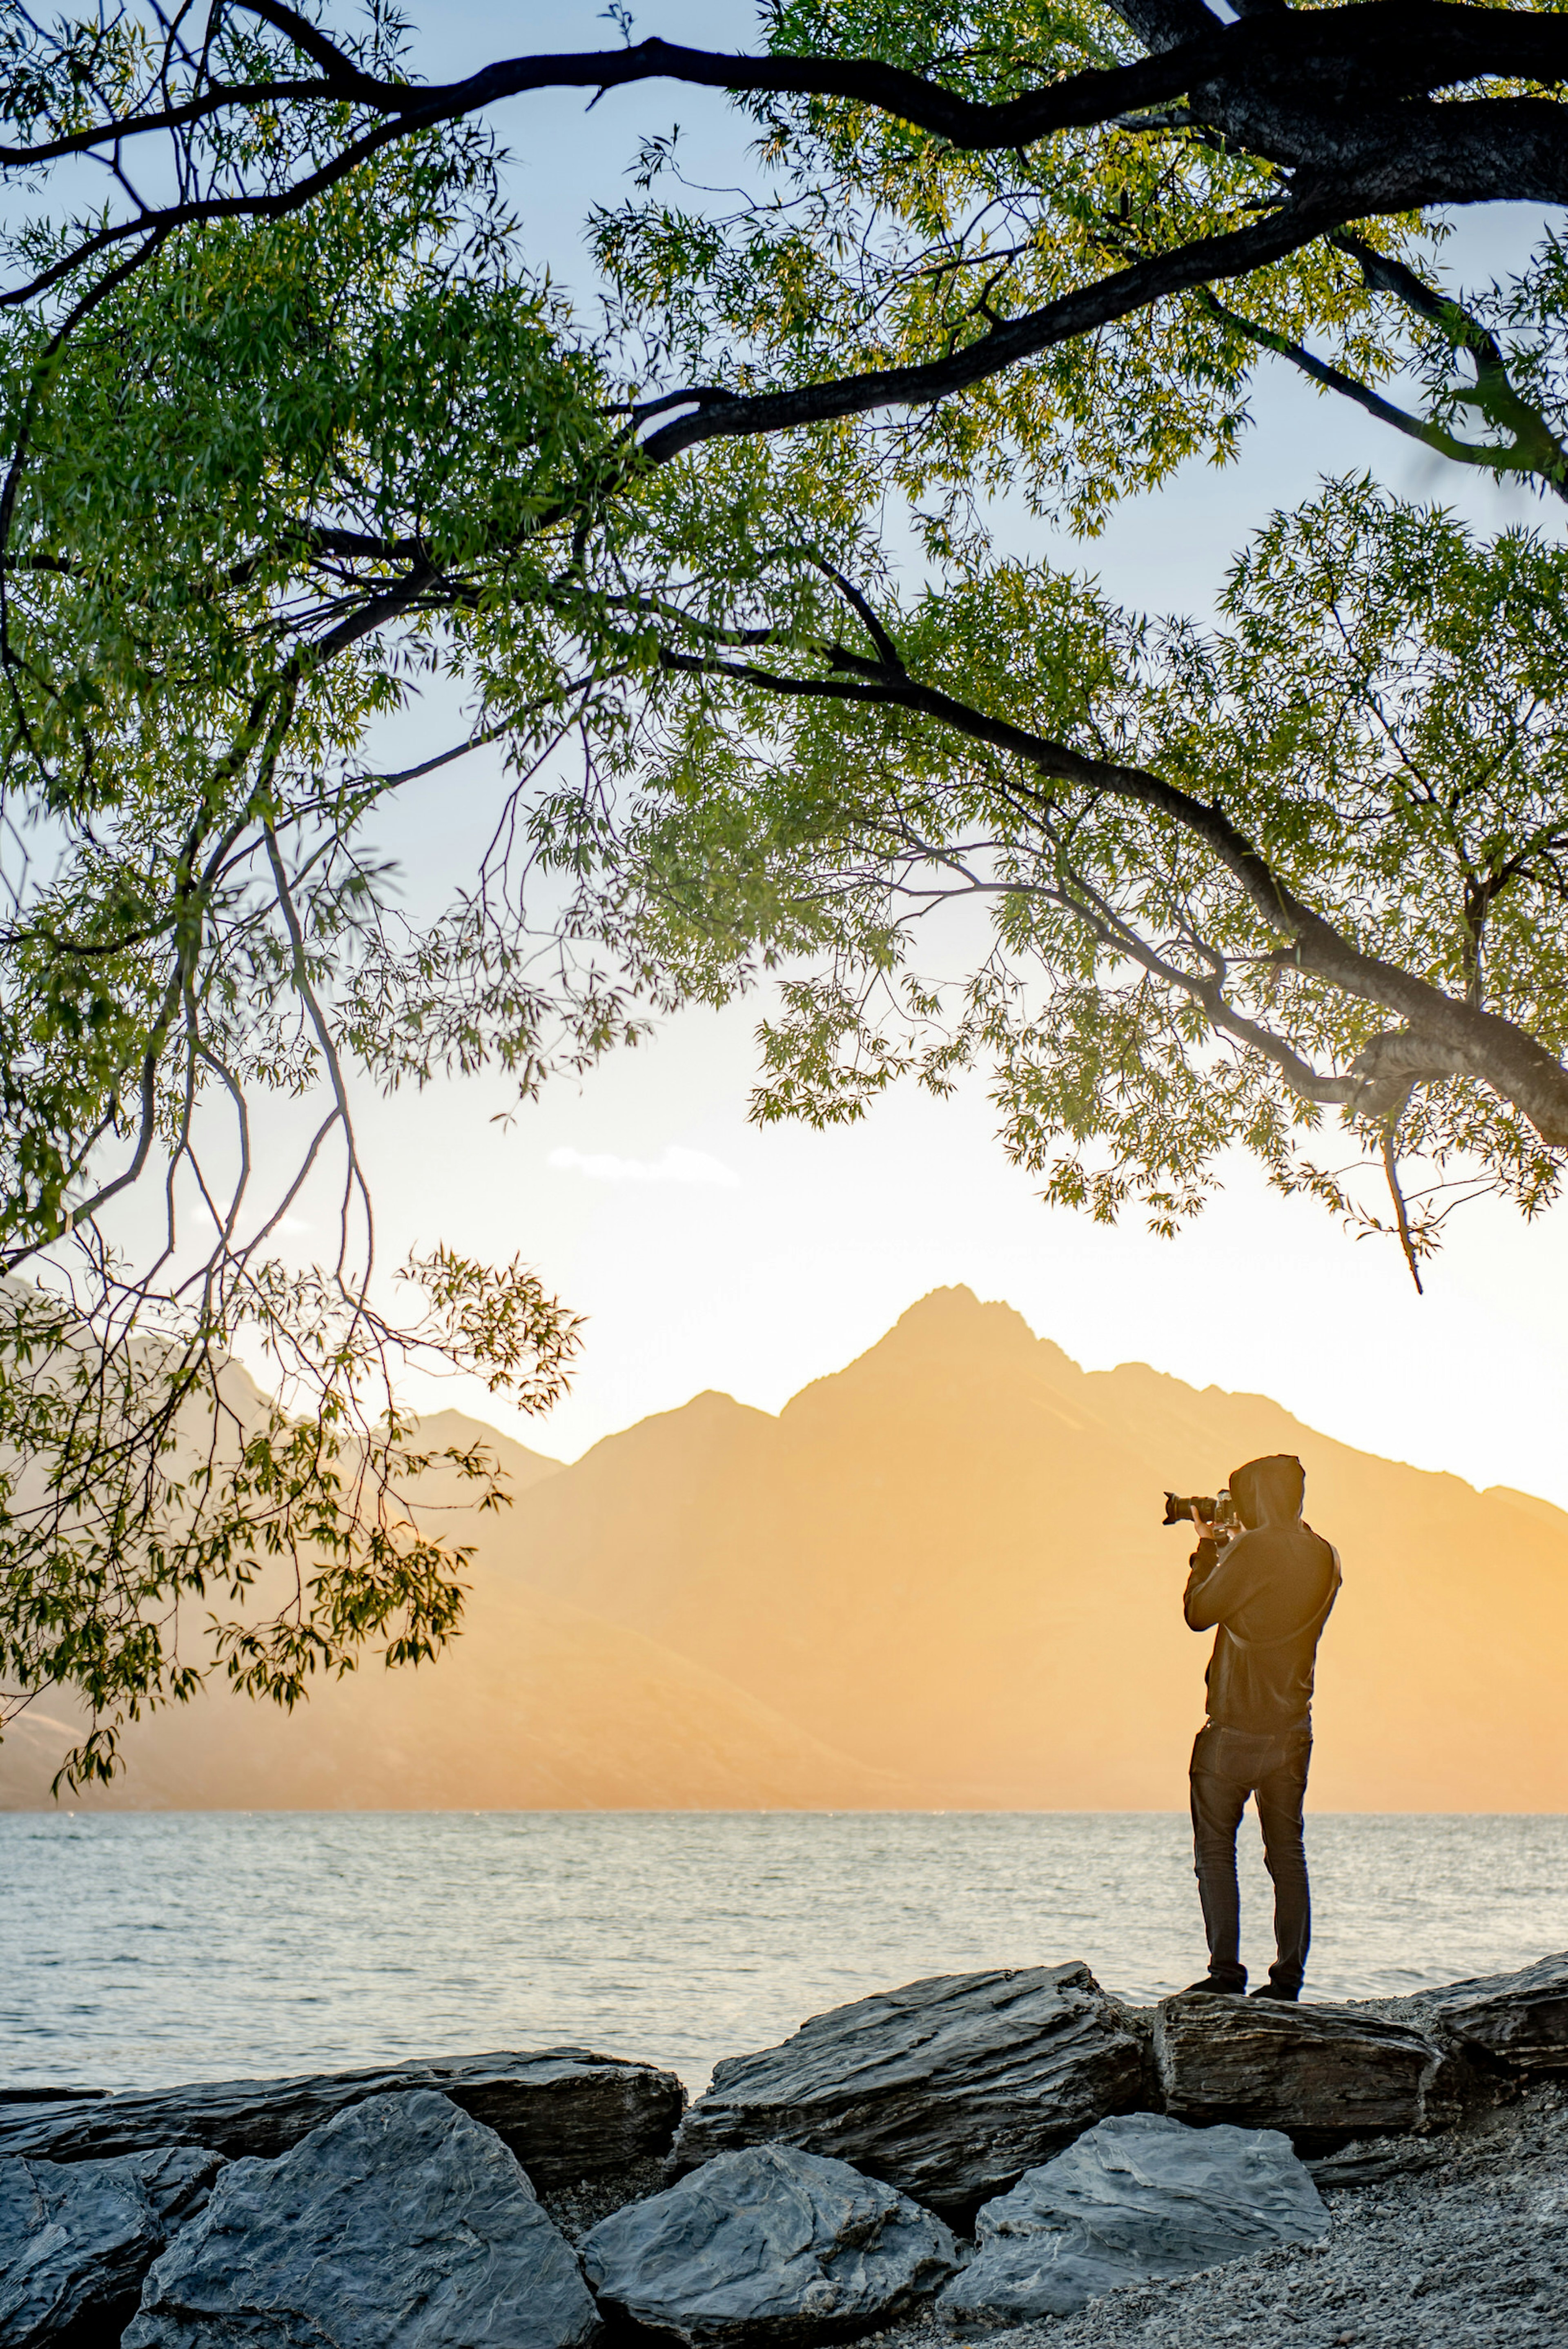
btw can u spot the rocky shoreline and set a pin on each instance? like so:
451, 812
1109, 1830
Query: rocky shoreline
1466, 2249
1011, 2156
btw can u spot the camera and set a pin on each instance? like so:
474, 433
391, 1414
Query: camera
1216, 1509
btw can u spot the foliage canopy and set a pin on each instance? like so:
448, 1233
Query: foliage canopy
301, 435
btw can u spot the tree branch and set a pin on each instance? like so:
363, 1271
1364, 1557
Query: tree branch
1233, 254
1443, 1037
1401, 1215
1493, 456
1376, 55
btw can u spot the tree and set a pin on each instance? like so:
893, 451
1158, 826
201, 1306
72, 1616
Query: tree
300, 430
193, 924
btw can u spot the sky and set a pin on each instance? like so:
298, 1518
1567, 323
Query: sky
707, 1253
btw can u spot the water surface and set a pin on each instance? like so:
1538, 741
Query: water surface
155, 1948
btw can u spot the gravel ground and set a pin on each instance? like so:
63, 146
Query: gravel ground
1466, 2253
575, 2208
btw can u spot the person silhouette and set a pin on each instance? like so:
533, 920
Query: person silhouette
1266, 1592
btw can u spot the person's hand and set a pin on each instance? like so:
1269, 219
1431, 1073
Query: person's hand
1205, 1530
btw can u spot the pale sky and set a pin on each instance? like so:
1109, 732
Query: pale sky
708, 1253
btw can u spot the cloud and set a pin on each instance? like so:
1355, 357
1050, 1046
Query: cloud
673, 1164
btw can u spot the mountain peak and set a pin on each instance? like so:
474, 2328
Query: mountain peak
522, 1466
950, 1319
948, 1331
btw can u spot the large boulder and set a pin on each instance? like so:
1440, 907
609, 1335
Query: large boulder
565, 2113
948, 2089
76, 2238
1136, 2199
400, 2224
1518, 2020
768, 2245
1323, 2074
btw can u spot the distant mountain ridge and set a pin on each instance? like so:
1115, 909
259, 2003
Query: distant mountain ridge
936, 1579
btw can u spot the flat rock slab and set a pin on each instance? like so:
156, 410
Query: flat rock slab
1136, 2199
401, 2224
1520, 2020
948, 2089
768, 2245
76, 2238
1323, 2074
566, 2113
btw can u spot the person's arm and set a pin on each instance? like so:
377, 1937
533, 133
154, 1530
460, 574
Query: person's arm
1217, 1584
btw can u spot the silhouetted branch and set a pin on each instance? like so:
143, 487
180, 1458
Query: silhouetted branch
1442, 1037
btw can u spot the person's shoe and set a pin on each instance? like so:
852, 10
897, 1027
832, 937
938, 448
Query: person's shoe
1214, 1988
1272, 1990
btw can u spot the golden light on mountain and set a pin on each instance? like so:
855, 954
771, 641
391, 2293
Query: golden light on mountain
938, 1580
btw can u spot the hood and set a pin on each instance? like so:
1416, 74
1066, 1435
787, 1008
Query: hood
1269, 1491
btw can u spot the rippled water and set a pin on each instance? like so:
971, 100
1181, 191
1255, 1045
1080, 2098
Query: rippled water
155, 1949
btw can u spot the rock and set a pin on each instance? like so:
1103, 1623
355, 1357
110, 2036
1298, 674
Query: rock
50, 2096
948, 2089
401, 2222
1371, 2164
1323, 2074
771, 2244
565, 2113
1520, 2020
1135, 2200
76, 2238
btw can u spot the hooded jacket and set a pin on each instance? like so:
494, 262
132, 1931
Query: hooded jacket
1270, 1591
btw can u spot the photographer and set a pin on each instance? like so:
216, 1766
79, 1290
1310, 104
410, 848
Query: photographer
1269, 1589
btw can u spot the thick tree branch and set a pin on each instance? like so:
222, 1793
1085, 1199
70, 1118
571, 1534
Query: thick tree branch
1372, 55
1120, 295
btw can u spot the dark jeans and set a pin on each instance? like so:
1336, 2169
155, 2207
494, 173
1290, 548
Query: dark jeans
1229, 1765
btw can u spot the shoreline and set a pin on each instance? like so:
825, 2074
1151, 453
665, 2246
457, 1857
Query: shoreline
1384, 2174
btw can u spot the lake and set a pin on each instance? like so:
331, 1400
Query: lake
146, 1950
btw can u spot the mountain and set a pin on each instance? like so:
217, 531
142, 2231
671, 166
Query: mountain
453, 1431
937, 1578
537, 1707
947, 1559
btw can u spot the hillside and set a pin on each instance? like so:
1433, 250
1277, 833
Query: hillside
938, 1578
538, 1707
